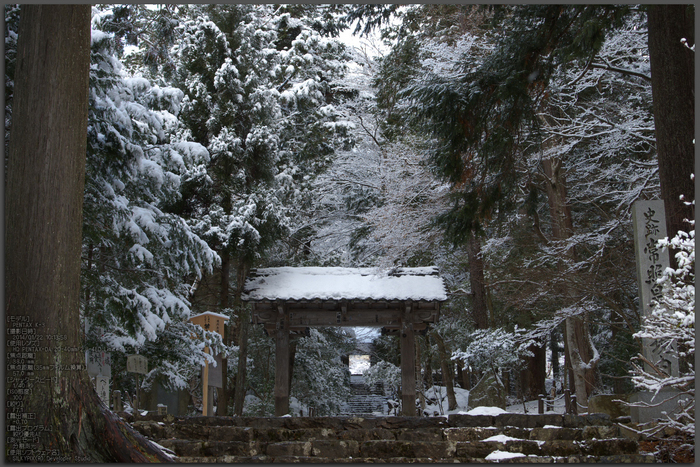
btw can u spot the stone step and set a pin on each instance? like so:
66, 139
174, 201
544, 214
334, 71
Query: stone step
390, 449
362, 429
620, 459
231, 433
365, 404
458, 438
364, 389
367, 397
350, 422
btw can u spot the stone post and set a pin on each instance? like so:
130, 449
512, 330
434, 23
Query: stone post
649, 226
649, 220
117, 405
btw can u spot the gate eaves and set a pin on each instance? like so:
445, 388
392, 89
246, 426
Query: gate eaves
357, 297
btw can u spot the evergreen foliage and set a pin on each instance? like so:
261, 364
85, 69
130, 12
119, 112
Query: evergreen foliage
492, 349
479, 115
321, 380
265, 117
137, 257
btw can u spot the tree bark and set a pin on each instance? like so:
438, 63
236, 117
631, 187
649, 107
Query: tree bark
580, 347
568, 370
533, 375
43, 220
428, 373
672, 87
554, 347
222, 405
480, 312
447, 374
463, 375
243, 326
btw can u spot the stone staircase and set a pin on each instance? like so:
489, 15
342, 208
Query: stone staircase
506, 437
365, 400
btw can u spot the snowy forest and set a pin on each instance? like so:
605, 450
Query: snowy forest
500, 145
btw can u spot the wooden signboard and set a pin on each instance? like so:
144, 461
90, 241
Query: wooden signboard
210, 322
137, 364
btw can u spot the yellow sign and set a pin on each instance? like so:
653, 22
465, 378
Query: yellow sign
210, 321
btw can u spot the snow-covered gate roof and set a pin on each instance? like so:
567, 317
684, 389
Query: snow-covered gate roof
315, 296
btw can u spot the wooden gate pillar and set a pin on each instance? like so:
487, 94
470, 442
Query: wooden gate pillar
408, 365
281, 363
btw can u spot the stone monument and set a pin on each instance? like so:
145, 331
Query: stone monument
649, 221
488, 392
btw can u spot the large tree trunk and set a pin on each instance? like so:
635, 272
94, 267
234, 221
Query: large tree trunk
480, 312
428, 380
463, 375
243, 326
447, 373
554, 348
222, 405
43, 221
672, 86
533, 376
581, 353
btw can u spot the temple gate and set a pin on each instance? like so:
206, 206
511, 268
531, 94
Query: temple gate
288, 300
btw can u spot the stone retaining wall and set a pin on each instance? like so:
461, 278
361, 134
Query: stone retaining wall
459, 438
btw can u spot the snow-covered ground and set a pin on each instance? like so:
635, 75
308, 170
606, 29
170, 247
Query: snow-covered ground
439, 393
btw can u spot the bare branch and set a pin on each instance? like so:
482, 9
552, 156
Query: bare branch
354, 182
623, 71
